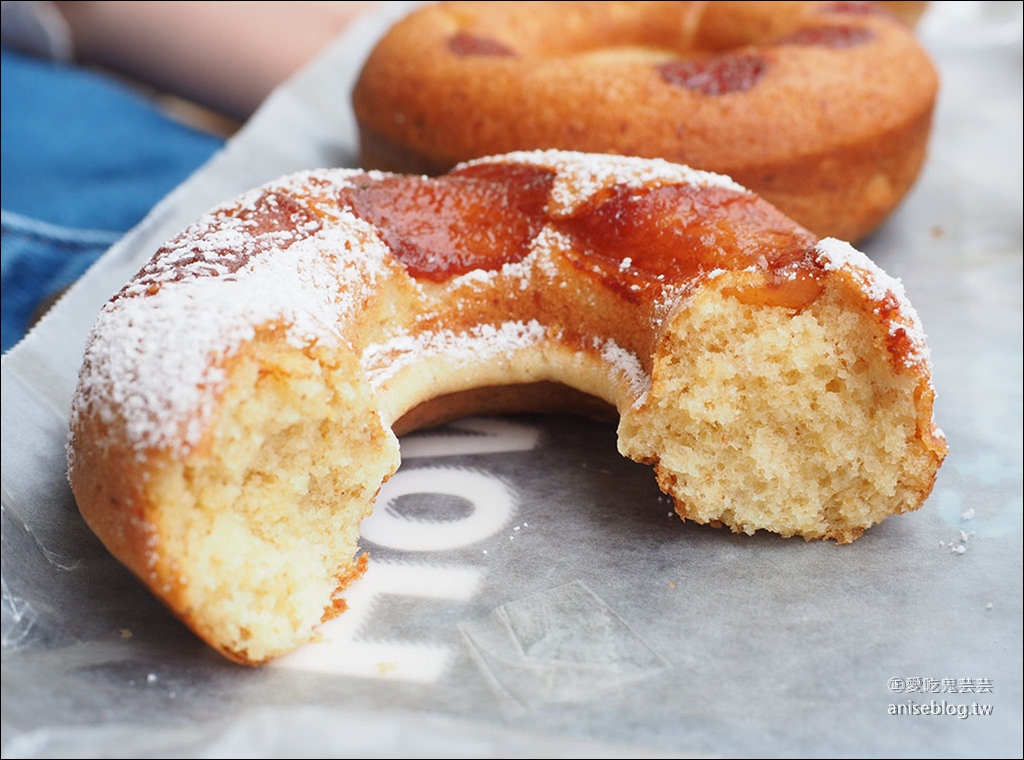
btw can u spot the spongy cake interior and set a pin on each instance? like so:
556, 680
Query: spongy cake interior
760, 417
261, 523
757, 418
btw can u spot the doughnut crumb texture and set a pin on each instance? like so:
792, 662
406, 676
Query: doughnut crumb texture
240, 400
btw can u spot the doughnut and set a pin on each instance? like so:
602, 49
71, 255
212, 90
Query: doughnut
910, 11
822, 109
241, 398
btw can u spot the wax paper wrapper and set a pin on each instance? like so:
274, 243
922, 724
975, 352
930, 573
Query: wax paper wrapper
530, 592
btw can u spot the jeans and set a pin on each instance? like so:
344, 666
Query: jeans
85, 157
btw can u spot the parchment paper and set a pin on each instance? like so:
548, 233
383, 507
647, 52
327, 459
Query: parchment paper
530, 594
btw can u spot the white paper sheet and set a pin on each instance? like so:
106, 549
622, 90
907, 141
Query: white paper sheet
557, 609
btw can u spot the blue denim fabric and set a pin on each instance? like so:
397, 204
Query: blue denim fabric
84, 159
40, 260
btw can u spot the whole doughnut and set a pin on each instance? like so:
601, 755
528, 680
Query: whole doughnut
238, 403
822, 108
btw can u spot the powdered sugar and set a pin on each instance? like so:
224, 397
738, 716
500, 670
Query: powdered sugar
626, 363
482, 342
485, 342
289, 256
580, 175
156, 352
886, 291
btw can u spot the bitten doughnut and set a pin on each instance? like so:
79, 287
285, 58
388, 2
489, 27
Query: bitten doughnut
822, 108
237, 406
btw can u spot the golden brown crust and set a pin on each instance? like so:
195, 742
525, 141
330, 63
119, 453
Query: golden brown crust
910, 11
831, 125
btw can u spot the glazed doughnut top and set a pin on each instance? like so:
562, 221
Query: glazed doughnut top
238, 400
346, 231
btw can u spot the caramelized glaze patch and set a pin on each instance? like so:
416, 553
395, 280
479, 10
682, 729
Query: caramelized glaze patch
467, 44
482, 217
830, 36
859, 9
636, 239
270, 221
719, 75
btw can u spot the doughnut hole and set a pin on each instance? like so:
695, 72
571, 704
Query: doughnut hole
768, 418
261, 522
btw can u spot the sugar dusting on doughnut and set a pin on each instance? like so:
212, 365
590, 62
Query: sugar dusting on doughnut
482, 341
305, 278
384, 360
581, 176
910, 343
236, 407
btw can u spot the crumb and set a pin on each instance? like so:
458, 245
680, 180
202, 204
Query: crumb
151, 678
938, 231
988, 606
960, 545
126, 634
671, 584
967, 515
386, 667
